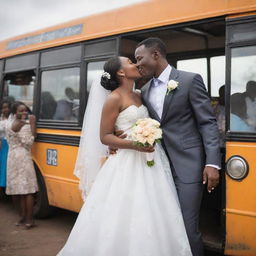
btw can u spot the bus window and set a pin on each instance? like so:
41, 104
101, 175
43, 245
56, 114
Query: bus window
198, 65
67, 55
60, 94
243, 89
101, 48
94, 70
217, 74
20, 87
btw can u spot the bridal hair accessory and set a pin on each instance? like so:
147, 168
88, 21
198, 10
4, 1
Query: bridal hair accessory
146, 132
106, 75
172, 85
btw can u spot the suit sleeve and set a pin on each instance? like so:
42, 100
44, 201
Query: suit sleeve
206, 120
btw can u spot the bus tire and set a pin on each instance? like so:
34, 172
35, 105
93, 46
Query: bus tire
42, 209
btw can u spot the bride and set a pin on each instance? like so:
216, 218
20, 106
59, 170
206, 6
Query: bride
132, 209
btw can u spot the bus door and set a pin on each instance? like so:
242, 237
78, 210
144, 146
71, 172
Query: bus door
197, 47
241, 136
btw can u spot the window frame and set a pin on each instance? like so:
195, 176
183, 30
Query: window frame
4, 74
174, 58
57, 124
230, 24
94, 58
45, 123
83, 95
31, 64
81, 63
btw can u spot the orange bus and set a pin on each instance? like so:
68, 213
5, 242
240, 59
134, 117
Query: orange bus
52, 71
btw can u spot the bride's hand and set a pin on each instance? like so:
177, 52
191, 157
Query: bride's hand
145, 149
112, 150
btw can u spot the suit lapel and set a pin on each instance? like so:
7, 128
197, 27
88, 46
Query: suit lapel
168, 98
145, 94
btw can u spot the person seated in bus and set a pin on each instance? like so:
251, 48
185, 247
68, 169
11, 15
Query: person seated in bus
21, 175
67, 108
48, 105
219, 110
250, 99
238, 116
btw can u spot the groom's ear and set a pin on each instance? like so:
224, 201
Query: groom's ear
155, 55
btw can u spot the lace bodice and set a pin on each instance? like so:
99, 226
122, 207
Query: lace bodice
23, 138
128, 117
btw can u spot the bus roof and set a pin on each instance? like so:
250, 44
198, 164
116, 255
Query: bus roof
145, 15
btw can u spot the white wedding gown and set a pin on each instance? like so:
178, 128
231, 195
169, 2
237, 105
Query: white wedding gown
132, 209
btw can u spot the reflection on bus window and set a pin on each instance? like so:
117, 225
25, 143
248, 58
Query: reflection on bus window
20, 87
198, 66
60, 94
243, 89
94, 71
217, 65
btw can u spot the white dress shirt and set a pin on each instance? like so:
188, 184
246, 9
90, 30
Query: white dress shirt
158, 88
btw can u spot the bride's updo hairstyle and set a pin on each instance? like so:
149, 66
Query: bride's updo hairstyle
109, 78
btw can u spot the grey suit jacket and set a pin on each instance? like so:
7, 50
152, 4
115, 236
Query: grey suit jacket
190, 132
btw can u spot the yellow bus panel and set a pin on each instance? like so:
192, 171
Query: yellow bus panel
61, 184
241, 204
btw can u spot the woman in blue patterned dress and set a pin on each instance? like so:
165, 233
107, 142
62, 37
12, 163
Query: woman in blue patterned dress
5, 112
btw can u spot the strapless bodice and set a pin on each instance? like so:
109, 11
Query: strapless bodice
128, 117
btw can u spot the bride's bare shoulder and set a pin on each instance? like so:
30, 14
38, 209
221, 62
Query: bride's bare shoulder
113, 100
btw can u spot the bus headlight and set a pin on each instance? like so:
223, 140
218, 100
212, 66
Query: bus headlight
237, 168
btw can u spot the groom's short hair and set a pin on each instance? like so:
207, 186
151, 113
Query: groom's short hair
154, 42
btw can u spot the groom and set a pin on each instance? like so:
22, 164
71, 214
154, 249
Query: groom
190, 132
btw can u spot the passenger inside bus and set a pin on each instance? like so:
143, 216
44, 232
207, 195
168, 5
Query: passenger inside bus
238, 117
250, 99
48, 105
67, 109
219, 110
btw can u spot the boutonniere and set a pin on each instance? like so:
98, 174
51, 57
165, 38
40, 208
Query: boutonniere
172, 85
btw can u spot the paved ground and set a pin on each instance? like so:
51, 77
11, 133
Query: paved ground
44, 240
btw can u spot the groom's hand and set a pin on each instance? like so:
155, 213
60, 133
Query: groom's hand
211, 176
120, 134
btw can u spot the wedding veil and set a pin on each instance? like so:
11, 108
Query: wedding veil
91, 150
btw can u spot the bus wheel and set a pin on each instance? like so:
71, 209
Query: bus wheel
42, 209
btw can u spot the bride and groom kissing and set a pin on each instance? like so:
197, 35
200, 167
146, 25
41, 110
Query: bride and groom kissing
133, 209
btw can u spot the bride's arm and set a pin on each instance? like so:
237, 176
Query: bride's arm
109, 115
110, 112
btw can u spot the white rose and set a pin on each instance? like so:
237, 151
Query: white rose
155, 123
151, 140
172, 84
158, 134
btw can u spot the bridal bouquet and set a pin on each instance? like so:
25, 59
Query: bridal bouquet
146, 132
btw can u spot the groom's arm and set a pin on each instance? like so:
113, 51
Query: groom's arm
208, 129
